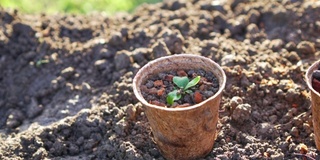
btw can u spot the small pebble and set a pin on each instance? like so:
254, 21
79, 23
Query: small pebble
85, 87
294, 132
131, 112
162, 76
191, 72
67, 72
235, 101
69, 87
101, 64
149, 84
208, 93
197, 97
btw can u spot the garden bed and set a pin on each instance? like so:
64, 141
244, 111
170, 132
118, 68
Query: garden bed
66, 80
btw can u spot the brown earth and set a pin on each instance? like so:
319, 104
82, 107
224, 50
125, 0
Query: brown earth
66, 89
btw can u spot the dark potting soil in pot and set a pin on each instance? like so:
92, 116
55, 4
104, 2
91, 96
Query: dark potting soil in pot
316, 79
155, 90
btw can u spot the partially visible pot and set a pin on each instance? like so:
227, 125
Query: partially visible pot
315, 101
182, 133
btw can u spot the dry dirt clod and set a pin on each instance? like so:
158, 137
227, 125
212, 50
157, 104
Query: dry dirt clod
138, 55
131, 112
160, 50
241, 113
34, 109
41, 153
105, 53
303, 148
306, 48
116, 39
122, 61
14, 119
235, 101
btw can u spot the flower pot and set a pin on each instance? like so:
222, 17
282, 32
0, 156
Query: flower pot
182, 133
315, 101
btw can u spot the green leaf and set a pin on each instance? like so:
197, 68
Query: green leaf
188, 91
192, 83
181, 82
172, 96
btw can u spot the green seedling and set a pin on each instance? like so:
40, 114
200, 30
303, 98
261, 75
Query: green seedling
183, 85
41, 62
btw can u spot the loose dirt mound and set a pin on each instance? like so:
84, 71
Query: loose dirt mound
66, 79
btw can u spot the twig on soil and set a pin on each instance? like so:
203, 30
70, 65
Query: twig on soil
207, 83
305, 155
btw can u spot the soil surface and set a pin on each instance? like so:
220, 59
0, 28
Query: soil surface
66, 80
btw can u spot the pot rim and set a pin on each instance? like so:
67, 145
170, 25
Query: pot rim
308, 77
144, 102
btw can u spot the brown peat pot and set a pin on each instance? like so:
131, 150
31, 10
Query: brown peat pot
315, 101
182, 133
